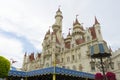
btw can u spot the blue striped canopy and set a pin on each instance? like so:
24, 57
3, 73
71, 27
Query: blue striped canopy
99, 50
51, 70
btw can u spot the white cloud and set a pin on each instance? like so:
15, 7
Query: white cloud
32, 18
11, 48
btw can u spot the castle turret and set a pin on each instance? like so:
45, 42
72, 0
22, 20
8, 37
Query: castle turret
68, 40
58, 21
98, 30
24, 62
78, 30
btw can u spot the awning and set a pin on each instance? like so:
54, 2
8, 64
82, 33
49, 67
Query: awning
51, 70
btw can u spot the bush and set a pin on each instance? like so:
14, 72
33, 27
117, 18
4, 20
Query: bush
4, 67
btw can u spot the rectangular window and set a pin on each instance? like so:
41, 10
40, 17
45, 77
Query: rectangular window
92, 68
62, 59
92, 63
119, 65
73, 57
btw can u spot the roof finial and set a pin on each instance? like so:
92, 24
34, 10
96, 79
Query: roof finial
59, 8
76, 22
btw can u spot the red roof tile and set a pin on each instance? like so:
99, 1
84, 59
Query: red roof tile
67, 45
93, 33
79, 41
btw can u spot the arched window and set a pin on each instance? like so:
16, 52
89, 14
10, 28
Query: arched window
47, 64
73, 57
68, 59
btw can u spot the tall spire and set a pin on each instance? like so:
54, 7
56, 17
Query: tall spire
57, 26
96, 21
76, 21
59, 9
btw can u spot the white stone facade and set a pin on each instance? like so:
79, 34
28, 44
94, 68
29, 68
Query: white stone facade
71, 52
116, 60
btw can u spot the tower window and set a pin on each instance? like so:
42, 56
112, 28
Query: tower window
92, 63
79, 55
119, 65
88, 38
99, 31
73, 57
62, 59
47, 64
68, 59
72, 45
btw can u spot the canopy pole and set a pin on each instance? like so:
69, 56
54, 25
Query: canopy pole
86, 79
54, 65
54, 76
25, 78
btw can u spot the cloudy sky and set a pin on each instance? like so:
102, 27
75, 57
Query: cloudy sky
23, 23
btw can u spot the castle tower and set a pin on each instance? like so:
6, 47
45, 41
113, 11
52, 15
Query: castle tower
57, 26
78, 30
68, 40
98, 30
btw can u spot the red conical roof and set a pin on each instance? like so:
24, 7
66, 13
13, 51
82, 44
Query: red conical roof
96, 21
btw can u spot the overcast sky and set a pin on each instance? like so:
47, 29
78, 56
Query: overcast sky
23, 23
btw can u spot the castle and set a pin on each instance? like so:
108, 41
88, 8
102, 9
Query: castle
71, 52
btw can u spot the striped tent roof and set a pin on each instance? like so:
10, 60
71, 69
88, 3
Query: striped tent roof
52, 70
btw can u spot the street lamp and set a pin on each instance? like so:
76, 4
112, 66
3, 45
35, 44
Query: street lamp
100, 51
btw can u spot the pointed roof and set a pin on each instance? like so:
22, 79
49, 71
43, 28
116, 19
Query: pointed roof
59, 10
31, 57
25, 54
96, 21
76, 22
48, 31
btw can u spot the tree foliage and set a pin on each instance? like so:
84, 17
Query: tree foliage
4, 67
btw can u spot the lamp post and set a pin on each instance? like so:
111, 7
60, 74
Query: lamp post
100, 51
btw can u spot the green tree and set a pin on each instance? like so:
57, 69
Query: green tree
4, 67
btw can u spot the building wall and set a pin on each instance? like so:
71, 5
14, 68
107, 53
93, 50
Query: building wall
71, 52
116, 59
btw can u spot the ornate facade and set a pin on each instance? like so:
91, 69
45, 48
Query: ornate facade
71, 52
116, 63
